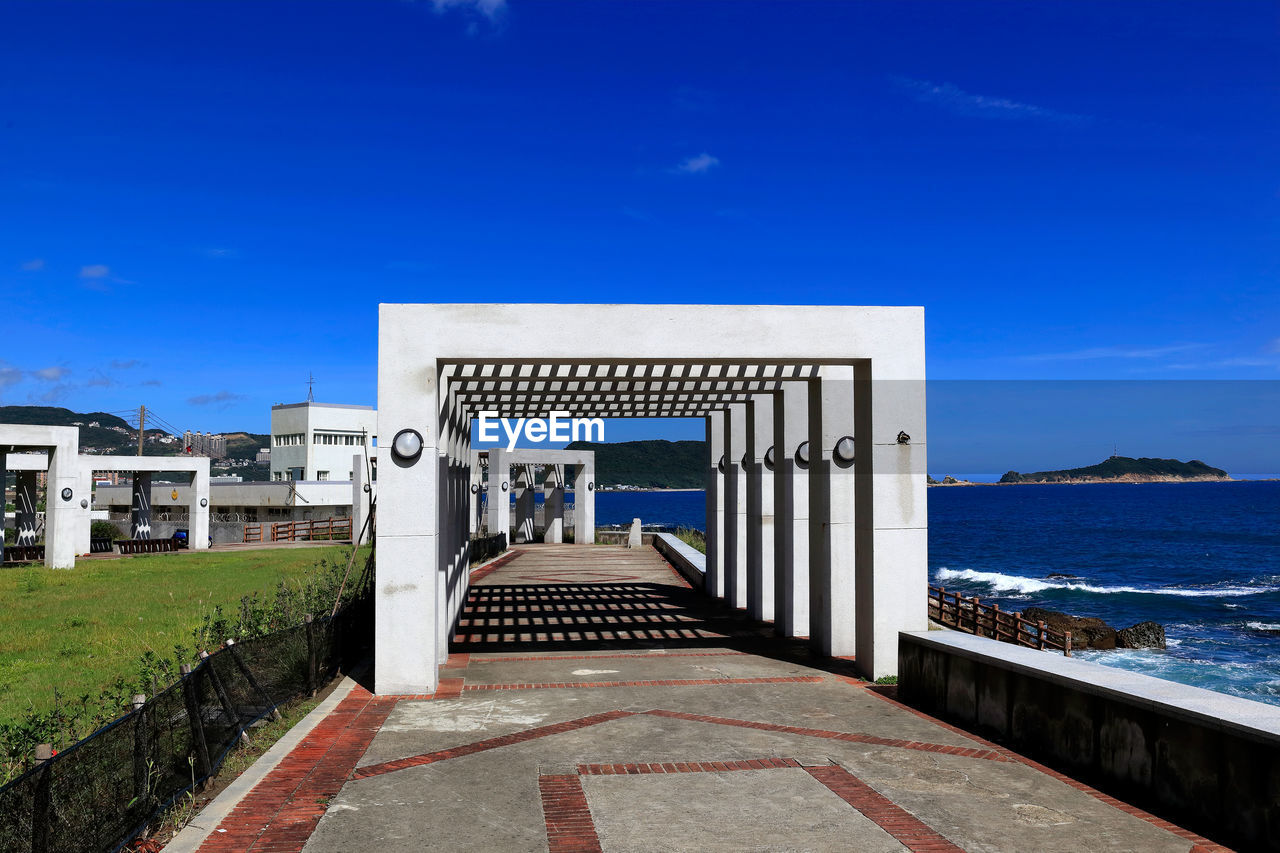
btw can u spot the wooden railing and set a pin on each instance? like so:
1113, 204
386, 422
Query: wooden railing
145, 546
303, 531
253, 533
988, 620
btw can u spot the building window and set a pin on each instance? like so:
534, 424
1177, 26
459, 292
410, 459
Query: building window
322, 475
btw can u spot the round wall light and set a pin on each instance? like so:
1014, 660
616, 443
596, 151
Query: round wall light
505, 485
204, 502
746, 461
768, 459
591, 487
407, 445
368, 488
844, 449
903, 438
802, 453
475, 488
67, 493
84, 503
720, 465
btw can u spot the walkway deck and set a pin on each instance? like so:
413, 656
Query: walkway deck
595, 702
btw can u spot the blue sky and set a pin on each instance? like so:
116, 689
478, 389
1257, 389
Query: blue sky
201, 203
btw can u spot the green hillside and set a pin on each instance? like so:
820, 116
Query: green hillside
649, 464
1124, 468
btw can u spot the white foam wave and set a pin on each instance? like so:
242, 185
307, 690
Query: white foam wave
1016, 584
1263, 626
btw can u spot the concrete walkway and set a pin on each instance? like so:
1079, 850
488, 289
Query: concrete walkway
595, 702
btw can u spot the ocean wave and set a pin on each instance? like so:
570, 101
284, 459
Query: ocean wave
1016, 584
1263, 626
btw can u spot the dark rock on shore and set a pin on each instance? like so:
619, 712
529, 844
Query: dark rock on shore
1144, 635
1088, 632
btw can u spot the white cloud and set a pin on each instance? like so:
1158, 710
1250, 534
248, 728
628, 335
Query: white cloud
50, 374
9, 375
697, 165
95, 271
953, 98
491, 9
33, 265
125, 364
222, 398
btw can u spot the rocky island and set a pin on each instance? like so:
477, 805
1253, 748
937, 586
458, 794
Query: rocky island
1124, 469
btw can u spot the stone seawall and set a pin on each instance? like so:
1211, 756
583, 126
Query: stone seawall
1209, 760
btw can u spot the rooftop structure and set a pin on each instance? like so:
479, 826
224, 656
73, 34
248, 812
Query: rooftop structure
315, 441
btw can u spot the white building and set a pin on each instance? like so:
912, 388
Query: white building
316, 441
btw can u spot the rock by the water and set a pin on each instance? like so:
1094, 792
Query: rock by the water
1087, 632
1144, 635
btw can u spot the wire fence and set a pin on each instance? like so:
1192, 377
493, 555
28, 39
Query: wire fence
103, 791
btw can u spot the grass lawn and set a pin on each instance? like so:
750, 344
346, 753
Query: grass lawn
80, 629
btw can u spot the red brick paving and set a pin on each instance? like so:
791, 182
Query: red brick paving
686, 767
686, 682
282, 811
489, 743
570, 828
916, 835
851, 737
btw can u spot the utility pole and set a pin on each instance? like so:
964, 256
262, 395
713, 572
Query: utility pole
142, 425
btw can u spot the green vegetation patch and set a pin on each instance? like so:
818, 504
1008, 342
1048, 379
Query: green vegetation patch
1122, 466
81, 630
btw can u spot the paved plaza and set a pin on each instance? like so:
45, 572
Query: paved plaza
593, 701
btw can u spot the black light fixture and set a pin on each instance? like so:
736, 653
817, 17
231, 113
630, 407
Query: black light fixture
204, 502
903, 438
591, 487
84, 503
802, 453
407, 445
505, 485
67, 493
475, 488
844, 449
720, 465
768, 458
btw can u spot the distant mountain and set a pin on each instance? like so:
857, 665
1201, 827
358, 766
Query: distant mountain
114, 436
1125, 469
649, 464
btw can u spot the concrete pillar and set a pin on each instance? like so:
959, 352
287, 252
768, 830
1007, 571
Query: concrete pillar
832, 499
499, 493
24, 504
892, 522
553, 504
82, 506
62, 494
791, 511
404, 605
584, 504
476, 478
140, 514
634, 539
760, 509
714, 580
361, 501
526, 503
735, 506
198, 511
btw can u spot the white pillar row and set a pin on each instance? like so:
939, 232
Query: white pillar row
760, 508
735, 507
408, 505
791, 511
498, 493
714, 580
553, 504
584, 504
832, 493
445, 561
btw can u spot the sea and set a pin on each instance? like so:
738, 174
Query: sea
1202, 559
